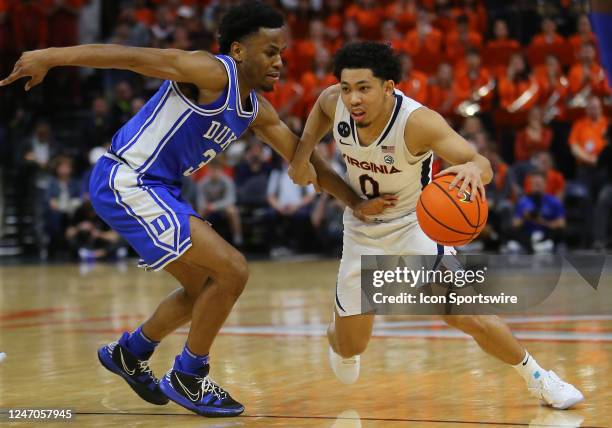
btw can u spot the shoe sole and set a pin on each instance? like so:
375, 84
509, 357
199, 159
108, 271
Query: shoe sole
129, 381
569, 403
173, 396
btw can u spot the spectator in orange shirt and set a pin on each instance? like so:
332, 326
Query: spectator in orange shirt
63, 22
548, 42
497, 52
586, 78
584, 34
444, 93
143, 14
553, 90
424, 43
314, 81
518, 90
555, 183
368, 17
476, 81
587, 138
476, 13
392, 37
334, 18
535, 137
27, 25
299, 19
413, 83
443, 16
306, 49
459, 41
404, 13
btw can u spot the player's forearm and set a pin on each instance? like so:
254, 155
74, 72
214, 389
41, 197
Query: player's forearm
148, 61
333, 184
317, 125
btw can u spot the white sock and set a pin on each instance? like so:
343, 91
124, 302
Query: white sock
529, 368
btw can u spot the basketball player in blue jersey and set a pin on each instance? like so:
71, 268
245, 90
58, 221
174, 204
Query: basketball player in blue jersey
387, 141
204, 104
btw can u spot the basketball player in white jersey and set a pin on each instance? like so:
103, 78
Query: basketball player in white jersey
387, 141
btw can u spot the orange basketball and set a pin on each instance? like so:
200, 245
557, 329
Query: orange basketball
448, 218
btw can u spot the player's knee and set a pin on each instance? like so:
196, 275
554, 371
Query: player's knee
470, 324
239, 271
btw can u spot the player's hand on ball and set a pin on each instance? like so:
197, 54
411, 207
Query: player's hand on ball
304, 174
374, 206
31, 64
469, 174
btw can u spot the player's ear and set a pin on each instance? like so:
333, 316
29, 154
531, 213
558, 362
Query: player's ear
389, 87
237, 51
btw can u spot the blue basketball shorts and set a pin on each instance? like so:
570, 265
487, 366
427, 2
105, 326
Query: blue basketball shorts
148, 213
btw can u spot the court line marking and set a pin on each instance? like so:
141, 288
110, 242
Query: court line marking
452, 335
371, 419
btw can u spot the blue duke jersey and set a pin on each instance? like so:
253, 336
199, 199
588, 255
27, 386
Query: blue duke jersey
171, 136
135, 187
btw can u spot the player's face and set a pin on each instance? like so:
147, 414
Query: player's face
262, 61
364, 95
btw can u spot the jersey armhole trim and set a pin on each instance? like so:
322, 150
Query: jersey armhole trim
199, 109
241, 111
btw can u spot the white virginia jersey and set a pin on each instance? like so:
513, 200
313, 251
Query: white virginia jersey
386, 165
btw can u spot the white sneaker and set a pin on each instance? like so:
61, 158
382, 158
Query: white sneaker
554, 392
345, 369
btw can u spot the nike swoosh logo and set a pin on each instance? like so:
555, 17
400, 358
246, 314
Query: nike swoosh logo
344, 144
527, 360
193, 397
128, 371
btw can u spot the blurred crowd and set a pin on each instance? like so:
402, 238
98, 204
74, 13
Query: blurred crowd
521, 82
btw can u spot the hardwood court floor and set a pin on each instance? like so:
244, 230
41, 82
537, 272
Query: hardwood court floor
272, 356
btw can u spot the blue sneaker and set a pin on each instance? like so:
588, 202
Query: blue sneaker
116, 358
199, 393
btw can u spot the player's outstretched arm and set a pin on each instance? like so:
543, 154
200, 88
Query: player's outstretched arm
269, 128
199, 68
427, 130
319, 122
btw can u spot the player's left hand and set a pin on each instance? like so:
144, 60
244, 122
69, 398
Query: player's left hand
469, 173
374, 206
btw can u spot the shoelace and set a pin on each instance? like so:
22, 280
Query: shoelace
350, 361
209, 385
553, 380
143, 365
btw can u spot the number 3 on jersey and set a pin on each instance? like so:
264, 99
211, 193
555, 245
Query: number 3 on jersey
363, 180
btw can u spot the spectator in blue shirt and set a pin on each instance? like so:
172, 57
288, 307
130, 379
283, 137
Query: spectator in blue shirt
539, 218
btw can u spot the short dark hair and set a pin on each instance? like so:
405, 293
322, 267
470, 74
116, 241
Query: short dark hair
245, 19
378, 57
